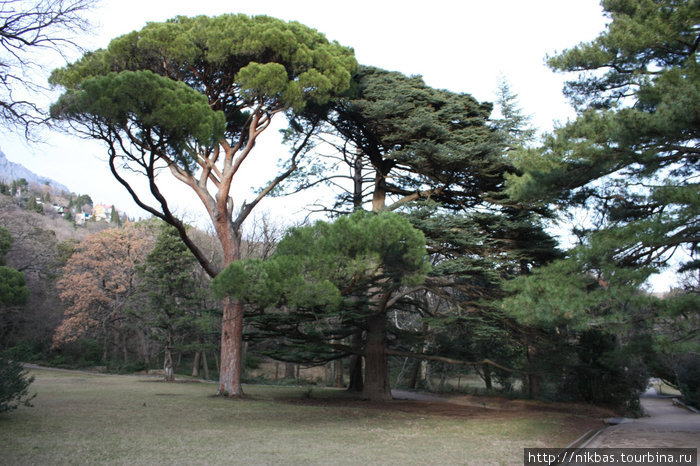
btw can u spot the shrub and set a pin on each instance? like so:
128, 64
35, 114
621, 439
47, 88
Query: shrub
251, 361
132, 367
25, 351
688, 374
14, 385
605, 373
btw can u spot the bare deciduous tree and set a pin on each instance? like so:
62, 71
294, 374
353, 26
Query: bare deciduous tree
28, 29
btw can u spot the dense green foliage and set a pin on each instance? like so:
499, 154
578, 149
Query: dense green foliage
688, 378
424, 136
13, 286
324, 281
332, 282
601, 371
5, 243
164, 77
630, 160
167, 279
296, 63
408, 141
14, 385
514, 124
404, 141
172, 302
631, 156
168, 113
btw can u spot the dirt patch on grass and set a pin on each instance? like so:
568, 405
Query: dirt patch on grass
577, 416
523, 406
161, 380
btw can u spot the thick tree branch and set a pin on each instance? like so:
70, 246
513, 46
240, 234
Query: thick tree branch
164, 215
247, 208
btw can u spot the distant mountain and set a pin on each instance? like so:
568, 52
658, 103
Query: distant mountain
10, 171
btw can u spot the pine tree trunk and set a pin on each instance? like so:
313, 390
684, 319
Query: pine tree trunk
168, 373
487, 378
358, 182
328, 373
289, 371
533, 381
105, 348
428, 376
195, 364
534, 385
205, 365
376, 387
231, 349
337, 371
338, 379
114, 347
168, 363
145, 348
379, 193
231, 364
356, 383
413, 379
443, 377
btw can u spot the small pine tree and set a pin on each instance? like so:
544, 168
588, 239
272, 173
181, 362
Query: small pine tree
171, 293
14, 385
13, 380
514, 123
33, 205
114, 217
13, 286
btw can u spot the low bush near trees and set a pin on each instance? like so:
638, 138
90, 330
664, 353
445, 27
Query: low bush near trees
14, 385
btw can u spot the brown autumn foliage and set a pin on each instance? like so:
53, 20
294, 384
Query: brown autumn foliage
98, 280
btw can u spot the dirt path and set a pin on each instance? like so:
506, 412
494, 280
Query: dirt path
484, 403
667, 426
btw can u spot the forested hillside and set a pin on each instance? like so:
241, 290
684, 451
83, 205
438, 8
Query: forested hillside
42, 239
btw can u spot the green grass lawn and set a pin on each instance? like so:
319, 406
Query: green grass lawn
108, 419
662, 388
